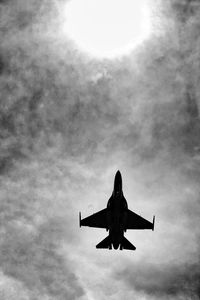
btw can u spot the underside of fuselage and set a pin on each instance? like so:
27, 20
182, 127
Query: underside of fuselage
116, 218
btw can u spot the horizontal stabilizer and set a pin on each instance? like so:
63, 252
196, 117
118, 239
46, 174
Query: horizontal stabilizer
104, 244
127, 245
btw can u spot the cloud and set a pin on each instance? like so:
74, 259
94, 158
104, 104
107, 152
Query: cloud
33, 259
67, 123
162, 280
10, 287
140, 109
32, 237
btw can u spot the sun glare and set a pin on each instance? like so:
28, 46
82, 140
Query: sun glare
107, 28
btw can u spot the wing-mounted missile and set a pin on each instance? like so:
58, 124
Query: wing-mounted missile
79, 219
153, 223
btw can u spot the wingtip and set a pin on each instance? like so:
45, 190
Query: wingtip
79, 219
153, 223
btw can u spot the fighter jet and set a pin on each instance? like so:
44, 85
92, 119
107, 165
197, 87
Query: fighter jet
116, 218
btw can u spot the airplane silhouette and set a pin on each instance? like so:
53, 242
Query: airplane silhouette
116, 218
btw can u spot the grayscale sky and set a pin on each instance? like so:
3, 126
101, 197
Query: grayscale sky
67, 124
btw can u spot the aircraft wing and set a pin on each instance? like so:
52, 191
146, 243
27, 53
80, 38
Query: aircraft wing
98, 220
134, 221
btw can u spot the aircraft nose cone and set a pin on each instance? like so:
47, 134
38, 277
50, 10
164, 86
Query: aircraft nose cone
118, 176
118, 182
118, 173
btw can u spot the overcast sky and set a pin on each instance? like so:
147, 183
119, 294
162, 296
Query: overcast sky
67, 124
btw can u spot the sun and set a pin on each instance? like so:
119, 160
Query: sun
107, 28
